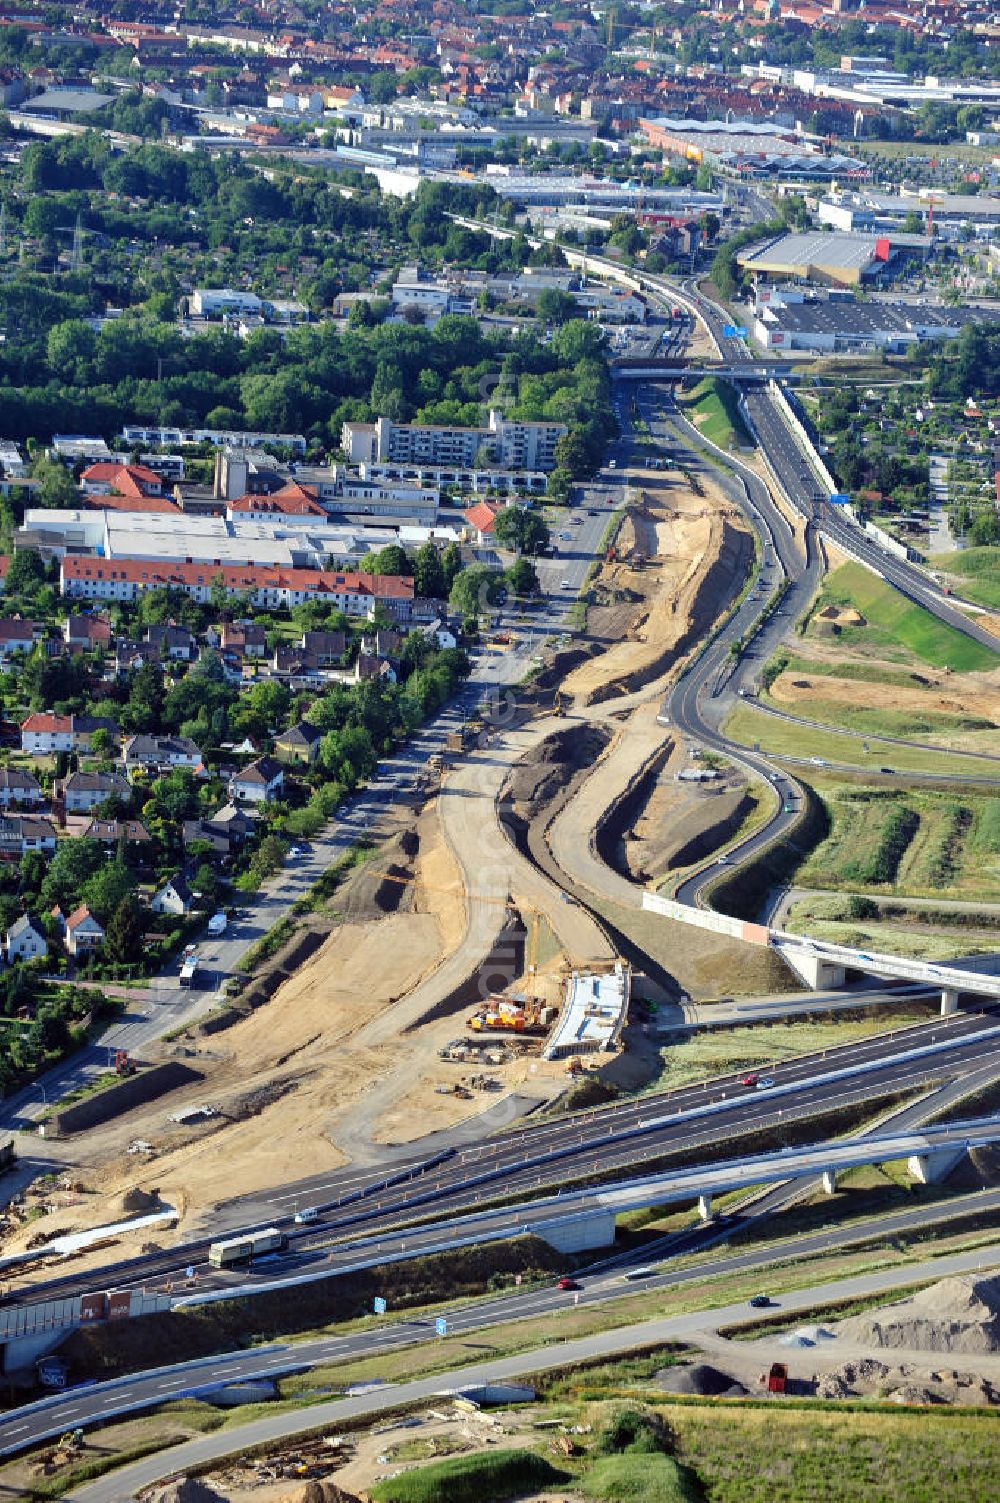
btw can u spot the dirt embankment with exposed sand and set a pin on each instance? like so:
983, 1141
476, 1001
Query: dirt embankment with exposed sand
675, 561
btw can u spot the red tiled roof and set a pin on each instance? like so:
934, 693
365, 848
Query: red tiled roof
238, 576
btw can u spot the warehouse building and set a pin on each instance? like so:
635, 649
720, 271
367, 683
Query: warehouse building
836, 260
839, 324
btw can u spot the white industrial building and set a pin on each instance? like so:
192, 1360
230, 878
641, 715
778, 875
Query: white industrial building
593, 1012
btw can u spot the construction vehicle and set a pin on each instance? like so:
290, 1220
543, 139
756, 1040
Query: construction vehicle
506, 1015
242, 1249
123, 1065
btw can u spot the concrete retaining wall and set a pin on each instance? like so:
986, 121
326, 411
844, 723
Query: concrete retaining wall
137, 1089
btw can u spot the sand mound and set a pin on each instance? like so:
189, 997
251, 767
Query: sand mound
954, 1315
700, 1378
136, 1201
184, 1490
317, 1492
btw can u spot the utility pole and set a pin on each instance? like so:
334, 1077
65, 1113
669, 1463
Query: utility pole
76, 255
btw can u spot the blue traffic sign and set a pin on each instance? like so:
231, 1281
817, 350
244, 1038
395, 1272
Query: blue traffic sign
741, 331
729, 331
379, 1305
840, 498
441, 1325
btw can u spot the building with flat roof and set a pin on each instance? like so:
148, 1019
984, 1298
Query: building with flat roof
511, 445
839, 324
839, 259
593, 1012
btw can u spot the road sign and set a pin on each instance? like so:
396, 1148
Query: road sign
729, 331
840, 498
441, 1325
742, 331
379, 1305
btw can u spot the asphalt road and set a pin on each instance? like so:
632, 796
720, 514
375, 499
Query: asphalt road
100, 1403
534, 1157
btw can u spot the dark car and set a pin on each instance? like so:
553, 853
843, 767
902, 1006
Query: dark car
759, 1301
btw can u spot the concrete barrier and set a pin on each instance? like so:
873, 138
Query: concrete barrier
147, 1085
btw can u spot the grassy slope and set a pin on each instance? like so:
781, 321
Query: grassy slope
713, 408
953, 849
976, 572
750, 727
912, 627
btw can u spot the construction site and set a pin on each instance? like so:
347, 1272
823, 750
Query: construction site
453, 970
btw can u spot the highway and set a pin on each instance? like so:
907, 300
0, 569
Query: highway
532, 1158
100, 1402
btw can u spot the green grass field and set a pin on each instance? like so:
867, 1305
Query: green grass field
974, 573
782, 738
713, 408
774, 1453
890, 616
714, 1053
920, 842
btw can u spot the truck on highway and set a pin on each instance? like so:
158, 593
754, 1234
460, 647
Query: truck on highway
241, 1249
189, 969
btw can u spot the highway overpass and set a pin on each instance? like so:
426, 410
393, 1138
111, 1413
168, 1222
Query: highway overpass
678, 369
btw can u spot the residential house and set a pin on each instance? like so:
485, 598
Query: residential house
223, 833
26, 832
25, 940
382, 642
173, 642
298, 744
174, 897
81, 792
19, 787
130, 655
441, 634
44, 732
480, 520
368, 667
299, 669
327, 647
83, 934
261, 782
246, 638
159, 754
87, 633
111, 831
19, 635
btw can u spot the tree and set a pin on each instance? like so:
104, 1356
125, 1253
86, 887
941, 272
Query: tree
521, 577
556, 306
428, 573
25, 572
572, 453
56, 487
108, 888
391, 559
124, 931
518, 528
475, 590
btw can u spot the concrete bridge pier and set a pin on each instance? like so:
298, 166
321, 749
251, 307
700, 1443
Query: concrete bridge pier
931, 1168
815, 970
578, 1233
949, 1002
830, 1181
705, 1207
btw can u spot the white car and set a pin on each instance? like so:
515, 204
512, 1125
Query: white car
307, 1213
765, 1083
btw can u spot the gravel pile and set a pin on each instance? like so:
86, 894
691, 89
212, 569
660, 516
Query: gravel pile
954, 1315
701, 1379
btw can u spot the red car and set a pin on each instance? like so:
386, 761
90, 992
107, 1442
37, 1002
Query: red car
567, 1283
749, 1080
